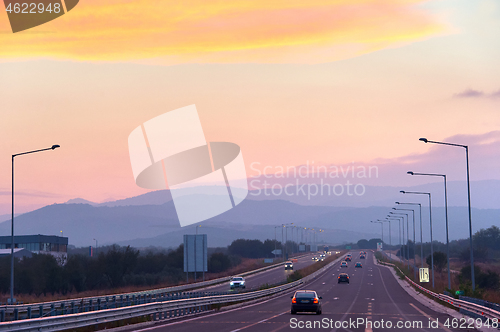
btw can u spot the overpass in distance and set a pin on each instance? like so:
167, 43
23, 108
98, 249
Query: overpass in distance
372, 296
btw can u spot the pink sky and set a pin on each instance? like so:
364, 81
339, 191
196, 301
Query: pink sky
331, 83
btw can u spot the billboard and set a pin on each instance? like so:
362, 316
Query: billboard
195, 253
302, 247
379, 246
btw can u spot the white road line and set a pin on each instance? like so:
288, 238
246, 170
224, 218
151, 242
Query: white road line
429, 317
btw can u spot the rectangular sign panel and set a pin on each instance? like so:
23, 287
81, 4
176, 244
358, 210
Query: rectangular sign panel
195, 253
276, 252
424, 274
379, 246
302, 247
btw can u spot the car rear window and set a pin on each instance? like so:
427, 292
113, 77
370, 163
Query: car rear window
237, 279
305, 295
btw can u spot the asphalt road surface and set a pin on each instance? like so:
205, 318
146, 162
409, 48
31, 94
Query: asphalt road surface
270, 277
372, 296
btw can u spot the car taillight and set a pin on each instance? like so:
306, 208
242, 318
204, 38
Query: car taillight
339, 277
294, 300
315, 300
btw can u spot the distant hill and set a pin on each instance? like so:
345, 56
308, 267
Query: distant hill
484, 196
158, 224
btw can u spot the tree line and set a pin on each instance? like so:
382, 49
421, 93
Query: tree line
115, 266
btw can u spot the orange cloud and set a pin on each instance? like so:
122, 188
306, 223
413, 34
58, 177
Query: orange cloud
211, 31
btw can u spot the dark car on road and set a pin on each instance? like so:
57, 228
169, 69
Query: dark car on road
358, 264
362, 256
306, 301
343, 277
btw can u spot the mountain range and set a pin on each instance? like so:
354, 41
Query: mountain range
151, 220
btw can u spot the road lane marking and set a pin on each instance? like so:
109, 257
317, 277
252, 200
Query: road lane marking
429, 317
262, 321
225, 312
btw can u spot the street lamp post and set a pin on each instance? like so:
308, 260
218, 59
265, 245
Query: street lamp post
425, 140
394, 218
421, 239
53, 147
430, 221
414, 241
446, 218
407, 236
381, 224
383, 220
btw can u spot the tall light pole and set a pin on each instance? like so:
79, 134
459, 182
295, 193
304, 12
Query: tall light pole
407, 236
394, 218
53, 147
421, 238
283, 248
425, 140
414, 241
383, 220
446, 218
430, 221
381, 224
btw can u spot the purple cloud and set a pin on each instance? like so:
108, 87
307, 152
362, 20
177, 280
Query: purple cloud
495, 94
470, 93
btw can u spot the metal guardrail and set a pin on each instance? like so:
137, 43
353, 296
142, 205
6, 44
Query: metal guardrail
78, 305
158, 310
477, 309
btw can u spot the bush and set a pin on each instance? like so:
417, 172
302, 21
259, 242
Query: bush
218, 262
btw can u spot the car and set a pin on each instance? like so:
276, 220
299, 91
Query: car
343, 277
294, 260
315, 259
322, 255
343, 264
364, 252
288, 265
237, 282
358, 264
348, 259
362, 257
306, 301
337, 252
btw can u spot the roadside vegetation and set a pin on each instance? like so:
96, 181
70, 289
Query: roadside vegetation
115, 269
486, 265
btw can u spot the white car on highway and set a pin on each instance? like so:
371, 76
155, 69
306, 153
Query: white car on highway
237, 282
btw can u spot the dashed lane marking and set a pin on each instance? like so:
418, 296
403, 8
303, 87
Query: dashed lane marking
259, 322
429, 317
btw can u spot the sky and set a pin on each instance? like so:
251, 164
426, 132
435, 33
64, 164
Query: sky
290, 82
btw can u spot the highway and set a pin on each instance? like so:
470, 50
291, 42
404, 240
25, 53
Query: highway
373, 295
272, 276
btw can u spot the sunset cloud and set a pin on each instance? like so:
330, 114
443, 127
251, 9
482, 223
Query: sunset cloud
471, 93
211, 31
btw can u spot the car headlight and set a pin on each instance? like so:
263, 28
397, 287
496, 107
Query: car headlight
231, 283
242, 282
